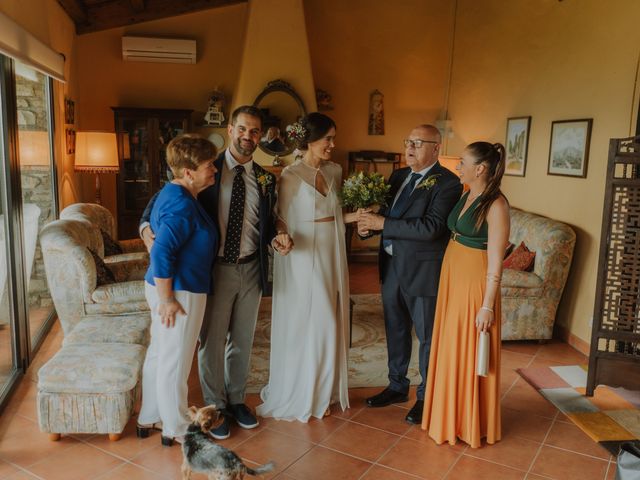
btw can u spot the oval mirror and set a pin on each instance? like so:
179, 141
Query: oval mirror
281, 106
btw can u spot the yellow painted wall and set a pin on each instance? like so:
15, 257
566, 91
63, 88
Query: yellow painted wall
554, 61
400, 48
106, 80
53, 27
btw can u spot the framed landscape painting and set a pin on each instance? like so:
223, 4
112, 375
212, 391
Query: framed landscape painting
569, 149
516, 145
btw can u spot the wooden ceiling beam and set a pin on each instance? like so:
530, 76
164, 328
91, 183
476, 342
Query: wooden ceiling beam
120, 13
76, 10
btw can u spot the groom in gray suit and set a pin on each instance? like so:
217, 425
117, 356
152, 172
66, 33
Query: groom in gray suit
414, 238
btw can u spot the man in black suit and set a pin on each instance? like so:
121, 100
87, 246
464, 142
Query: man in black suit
414, 237
241, 203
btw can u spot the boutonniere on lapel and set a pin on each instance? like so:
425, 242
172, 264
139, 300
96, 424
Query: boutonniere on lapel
264, 180
429, 182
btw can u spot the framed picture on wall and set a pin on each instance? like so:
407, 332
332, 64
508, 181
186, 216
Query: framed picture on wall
569, 148
70, 137
69, 111
517, 145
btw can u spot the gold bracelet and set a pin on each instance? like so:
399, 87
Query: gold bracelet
486, 308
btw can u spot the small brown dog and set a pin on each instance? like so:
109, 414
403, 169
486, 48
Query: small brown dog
201, 454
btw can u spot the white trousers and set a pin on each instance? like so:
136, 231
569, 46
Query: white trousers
168, 363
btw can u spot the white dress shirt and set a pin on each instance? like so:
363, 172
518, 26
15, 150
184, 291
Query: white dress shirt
422, 172
250, 239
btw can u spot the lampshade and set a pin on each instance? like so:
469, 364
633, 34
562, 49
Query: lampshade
449, 162
96, 152
34, 148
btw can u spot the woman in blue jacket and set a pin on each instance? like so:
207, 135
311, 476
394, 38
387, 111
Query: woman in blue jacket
176, 285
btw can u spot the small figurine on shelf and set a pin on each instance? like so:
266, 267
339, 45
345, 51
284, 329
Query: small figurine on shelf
214, 116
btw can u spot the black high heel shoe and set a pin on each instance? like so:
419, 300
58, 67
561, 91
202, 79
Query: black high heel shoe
142, 431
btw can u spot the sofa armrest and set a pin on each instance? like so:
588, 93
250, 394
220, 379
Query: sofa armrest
119, 292
518, 279
133, 245
129, 270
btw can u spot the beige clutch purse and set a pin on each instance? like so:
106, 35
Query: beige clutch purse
482, 359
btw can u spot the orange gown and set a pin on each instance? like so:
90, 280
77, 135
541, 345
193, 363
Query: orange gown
459, 404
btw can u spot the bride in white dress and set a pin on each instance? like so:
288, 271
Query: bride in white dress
310, 312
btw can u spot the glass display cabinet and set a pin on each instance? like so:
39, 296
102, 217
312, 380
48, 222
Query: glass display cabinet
143, 135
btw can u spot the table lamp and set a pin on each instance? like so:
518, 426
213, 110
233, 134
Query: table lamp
96, 152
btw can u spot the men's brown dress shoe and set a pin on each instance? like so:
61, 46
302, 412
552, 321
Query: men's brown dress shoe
387, 397
415, 414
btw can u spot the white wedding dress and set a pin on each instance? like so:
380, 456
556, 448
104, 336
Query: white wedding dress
310, 323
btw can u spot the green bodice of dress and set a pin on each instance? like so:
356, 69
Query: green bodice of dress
463, 228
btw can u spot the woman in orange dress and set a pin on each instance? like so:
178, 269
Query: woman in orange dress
458, 403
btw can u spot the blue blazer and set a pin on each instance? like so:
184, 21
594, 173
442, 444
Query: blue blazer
184, 236
209, 198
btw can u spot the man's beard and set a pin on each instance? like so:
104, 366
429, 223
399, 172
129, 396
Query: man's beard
244, 150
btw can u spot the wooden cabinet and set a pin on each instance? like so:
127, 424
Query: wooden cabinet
143, 135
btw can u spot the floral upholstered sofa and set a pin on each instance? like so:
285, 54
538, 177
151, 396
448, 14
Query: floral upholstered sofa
73, 278
92, 383
530, 299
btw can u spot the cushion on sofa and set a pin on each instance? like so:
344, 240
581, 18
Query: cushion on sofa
520, 259
111, 247
104, 276
121, 292
93, 368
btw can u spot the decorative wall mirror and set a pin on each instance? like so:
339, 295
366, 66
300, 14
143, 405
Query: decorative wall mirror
281, 106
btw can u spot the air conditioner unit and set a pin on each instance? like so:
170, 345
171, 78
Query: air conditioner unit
159, 50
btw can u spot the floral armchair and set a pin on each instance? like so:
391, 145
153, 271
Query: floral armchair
530, 299
72, 275
102, 219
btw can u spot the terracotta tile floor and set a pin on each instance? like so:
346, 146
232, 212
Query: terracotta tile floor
362, 443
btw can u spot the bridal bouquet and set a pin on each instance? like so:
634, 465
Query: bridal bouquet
363, 189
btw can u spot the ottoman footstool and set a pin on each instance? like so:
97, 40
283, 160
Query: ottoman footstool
111, 329
89, 388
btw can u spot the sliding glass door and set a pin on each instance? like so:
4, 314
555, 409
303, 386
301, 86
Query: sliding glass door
8, 357
37, 182
28, 201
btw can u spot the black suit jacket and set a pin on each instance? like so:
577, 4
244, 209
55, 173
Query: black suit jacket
209, 200
420, 235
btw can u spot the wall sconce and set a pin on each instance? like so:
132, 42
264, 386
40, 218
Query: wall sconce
96, 152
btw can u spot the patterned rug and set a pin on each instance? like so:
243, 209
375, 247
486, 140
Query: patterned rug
367, 355
610, 417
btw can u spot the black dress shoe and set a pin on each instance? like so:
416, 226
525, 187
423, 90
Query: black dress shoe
244, 417
415, 414
387, 397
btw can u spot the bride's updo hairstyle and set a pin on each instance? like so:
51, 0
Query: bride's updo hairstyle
315, 126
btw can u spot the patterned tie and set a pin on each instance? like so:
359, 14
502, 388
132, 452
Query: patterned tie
401, 202
236, 217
